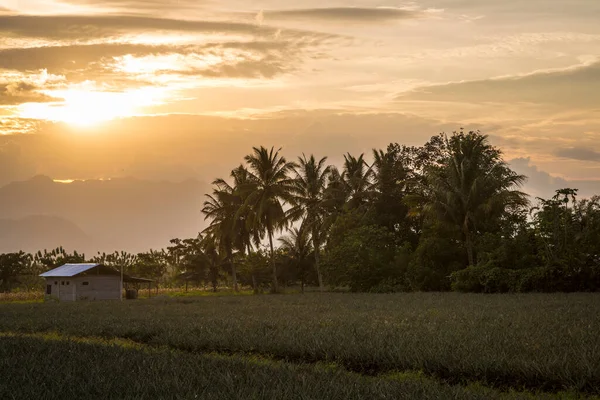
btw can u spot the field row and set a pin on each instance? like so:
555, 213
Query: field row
90, 368
538, 342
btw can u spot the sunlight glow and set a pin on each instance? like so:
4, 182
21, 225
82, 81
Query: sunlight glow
86, 106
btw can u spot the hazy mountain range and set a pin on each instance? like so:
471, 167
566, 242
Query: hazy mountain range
135, 214
96, 215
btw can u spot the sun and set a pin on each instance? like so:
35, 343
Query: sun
87, 107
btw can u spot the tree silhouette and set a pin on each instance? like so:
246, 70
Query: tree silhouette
269, 188
309, 186
472, 187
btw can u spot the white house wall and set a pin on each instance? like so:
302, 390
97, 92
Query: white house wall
61, 288
98, 287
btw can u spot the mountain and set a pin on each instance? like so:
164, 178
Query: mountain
40, 232
119, 214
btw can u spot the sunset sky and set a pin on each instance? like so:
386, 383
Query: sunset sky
173, 90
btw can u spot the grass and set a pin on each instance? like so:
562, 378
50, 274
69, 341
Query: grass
120, 370
22, 297
34, 296
461, 344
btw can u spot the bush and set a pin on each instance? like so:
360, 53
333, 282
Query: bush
482, 279
432, 263
366, 258
556, 278
467, 280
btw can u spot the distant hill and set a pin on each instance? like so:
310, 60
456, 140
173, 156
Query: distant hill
99, 215
40, 232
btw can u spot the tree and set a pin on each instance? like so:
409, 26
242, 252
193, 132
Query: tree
268, 189
212, 260
57, 257
298, 249
255, 270
222, 208
309, 186
395, 176
357, 177
472, 188
192, 261
116, 259
244, 234
151, 264
11, 266
362, 255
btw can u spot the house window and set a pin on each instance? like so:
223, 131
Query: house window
56, 282
85, 283
68, 282
48, 289
62, 282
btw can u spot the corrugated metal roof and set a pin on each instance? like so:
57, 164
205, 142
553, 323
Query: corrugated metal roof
68, 270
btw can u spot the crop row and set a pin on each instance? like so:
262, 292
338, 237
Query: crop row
51, 369
539, 342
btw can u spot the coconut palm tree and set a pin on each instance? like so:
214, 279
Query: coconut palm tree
472, 187
357, 177
310, 184
244, 235
269, 188
221, 207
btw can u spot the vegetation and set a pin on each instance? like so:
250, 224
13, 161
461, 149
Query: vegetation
448, 215
120, 370
539, 342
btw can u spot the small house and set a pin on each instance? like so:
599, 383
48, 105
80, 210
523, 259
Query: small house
72, 282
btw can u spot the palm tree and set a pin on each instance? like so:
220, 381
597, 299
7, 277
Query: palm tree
221, 207
336, 193
298, 248
269, 188
310, 184
243, 234
357, 177
472, 188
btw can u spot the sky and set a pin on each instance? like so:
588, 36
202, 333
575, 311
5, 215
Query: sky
173, 90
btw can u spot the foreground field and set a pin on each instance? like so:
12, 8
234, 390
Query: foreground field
318, 344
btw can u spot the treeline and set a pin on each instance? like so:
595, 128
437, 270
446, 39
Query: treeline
448, 215
20, 270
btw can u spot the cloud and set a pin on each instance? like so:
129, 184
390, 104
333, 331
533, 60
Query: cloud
346, 14
22, 92
108, 62
578, 153
71, 58
572, 87
260, 17
138, 4
542, 184
81, 27
14, 126
121, 65
243, 50
266, 67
